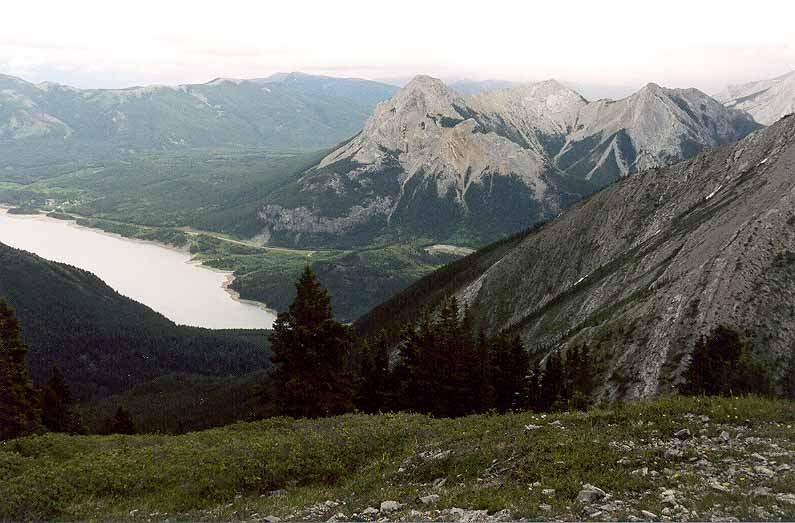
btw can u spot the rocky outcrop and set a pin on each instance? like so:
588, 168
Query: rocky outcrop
765, 100
492, 163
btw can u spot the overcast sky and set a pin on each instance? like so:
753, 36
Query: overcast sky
704, 44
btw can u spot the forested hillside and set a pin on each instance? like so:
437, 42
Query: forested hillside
104, 342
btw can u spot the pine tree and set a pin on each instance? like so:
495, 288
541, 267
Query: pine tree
788, 379
373, 375
440, 370
486, 393
534, 388
721, 364
748, 376
19, 408
58, 414
571, 368
311, 352
406, 375
520, 361
511, 365
580, 381
120, 423
459, 371
552, 383
585, 375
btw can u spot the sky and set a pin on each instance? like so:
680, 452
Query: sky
695, 43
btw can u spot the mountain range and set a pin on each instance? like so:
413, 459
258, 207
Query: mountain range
436, 164
284, 111
643, 268
766, 100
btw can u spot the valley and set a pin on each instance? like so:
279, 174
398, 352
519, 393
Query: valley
304, 297
161, 278
367, 219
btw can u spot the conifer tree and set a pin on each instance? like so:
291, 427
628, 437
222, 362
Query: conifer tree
552, 382
439, 371
486, 392
19, 407
511, 366
311, 352
579, 382
534, 388
373, 375
571, 369
459, 371
788, 379
721, 364
520, 360
58, 414
406, 375
584, 382
121, 423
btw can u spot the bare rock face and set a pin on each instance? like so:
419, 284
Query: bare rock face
765, 100
642, 268
494, 162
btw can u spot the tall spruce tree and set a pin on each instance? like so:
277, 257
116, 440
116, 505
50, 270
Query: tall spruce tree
579, 381
19, 406
721, 364
511, 368
373, 374
486, 393
552, 383
788, 379
120, 423
457, 378
311, 351
439, 371
534, 388
57, 403
407, 373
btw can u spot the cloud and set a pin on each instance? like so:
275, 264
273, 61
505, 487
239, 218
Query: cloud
615, 42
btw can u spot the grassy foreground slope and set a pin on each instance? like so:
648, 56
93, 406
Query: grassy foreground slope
481, 467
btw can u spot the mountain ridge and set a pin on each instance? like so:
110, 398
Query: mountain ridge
766, 100
538, 146
310, 112
642, 268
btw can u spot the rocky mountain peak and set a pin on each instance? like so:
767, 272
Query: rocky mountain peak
422, 93
532, 148
766, 100
651, 87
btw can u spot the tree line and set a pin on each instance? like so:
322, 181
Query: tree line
26, 409
440, 366
443, 367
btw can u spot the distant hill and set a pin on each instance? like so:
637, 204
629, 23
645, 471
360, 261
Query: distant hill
52, 123
105, 342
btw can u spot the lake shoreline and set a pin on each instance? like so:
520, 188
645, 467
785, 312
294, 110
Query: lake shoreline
229, 276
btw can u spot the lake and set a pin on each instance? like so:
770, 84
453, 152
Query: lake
162, 278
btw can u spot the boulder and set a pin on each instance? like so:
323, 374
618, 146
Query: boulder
590, 493
390, 506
